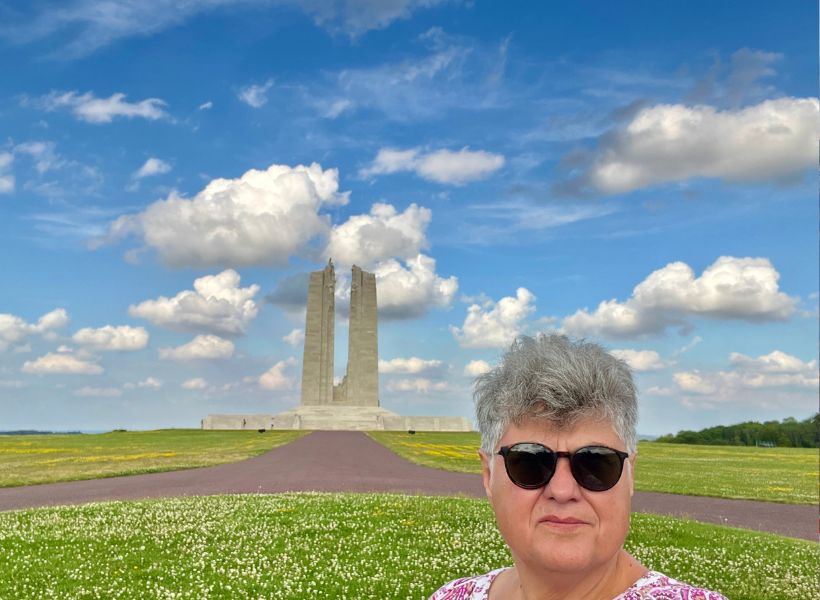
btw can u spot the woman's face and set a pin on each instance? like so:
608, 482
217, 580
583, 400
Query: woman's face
561, 526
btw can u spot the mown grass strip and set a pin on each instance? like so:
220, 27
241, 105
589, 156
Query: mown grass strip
30, 459
339, 546
786, 475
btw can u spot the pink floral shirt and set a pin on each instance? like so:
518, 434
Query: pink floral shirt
652, 586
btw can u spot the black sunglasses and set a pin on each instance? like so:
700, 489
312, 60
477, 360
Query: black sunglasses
531, 466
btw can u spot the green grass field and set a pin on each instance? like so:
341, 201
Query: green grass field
775, 474
787, 475
28, 459
339, 546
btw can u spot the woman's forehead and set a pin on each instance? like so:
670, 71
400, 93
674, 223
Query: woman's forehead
579, 432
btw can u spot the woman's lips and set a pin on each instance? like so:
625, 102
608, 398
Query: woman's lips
562, 522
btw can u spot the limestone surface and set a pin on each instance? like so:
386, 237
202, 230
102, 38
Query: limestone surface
317, 363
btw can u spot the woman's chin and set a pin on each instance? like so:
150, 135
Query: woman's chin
564, 558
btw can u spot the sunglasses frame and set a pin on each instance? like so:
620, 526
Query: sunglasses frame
504, 452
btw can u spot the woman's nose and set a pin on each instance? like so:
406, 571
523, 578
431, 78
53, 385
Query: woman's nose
562, 486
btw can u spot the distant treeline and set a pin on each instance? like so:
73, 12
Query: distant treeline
35, 432
789, 433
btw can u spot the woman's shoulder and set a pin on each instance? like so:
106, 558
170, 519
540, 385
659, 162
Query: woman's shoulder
467, 588
655, 585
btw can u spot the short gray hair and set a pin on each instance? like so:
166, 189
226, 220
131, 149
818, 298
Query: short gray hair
557, 379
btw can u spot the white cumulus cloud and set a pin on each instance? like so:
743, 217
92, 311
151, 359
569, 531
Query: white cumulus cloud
495, 324
774, 371
384, 233
443, 166
412, 365
122, 338
640, 360
202, 347
295, 337
15, 330
729, 288
152, 166
216, 304
148, 383
474, 368
694, 382
420, 385
673, 142
774, 362
65, 363
87, 107
197, 383
262, 217
410, 291
98, 392
276, 378
256, 95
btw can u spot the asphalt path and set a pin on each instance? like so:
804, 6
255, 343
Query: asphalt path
347, 461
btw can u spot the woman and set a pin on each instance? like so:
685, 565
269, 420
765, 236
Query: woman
565, 521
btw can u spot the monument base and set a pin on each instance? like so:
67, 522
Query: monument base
339, 418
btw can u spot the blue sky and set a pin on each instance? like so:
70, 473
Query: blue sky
641, 174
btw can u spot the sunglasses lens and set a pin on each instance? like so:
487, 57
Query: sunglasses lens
529, 465
596, 468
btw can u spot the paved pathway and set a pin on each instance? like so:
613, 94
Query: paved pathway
339, 461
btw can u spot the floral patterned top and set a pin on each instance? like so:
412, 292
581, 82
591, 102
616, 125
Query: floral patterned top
652, 586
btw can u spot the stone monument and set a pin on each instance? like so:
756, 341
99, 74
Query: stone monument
353, 403
317, 363
360, 386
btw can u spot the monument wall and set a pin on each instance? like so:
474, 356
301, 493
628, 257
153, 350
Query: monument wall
363, 349
317, 362
346, 418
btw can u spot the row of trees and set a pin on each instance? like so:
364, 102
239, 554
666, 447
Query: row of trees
789, 432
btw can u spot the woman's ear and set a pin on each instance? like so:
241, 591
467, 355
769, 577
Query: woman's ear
632, 460
486, 471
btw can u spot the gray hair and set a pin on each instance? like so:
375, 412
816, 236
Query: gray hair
557, 379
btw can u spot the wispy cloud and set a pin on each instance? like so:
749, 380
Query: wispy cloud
42, 169
91, 109
89, 25
509, 221
7, 180
356, 17
256, 95
447, 73
44, 155
72, 222
443, 166
152, 166
738, 81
